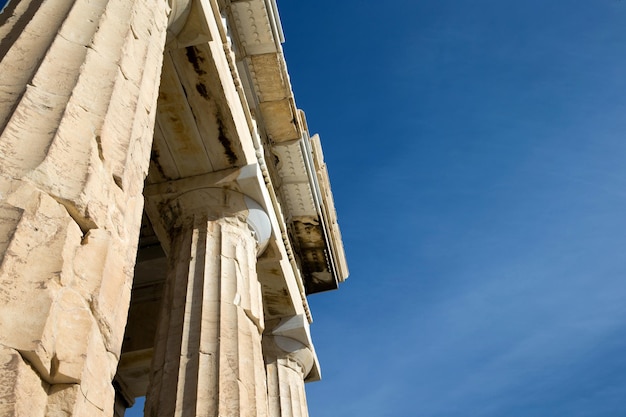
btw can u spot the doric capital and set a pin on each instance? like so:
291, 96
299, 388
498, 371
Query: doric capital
281, 347
173, 211
290, 339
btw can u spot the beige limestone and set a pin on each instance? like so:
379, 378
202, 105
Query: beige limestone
81, 91
22, 393
288, 363
77, 106
208, 358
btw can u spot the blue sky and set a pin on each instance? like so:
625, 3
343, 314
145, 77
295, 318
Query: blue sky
476, 151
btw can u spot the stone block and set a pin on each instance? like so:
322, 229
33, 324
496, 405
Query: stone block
280, 120
9, 217
67, 400
74, 286
270, 77
24, 141
98, 373
68, 329
22, 393
44, 240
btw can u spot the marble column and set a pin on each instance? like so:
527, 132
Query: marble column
289, 361
208, 355
79, 82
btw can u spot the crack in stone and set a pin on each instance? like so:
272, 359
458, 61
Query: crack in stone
99, 144
80, 387
103, 326
73, 42
84, 222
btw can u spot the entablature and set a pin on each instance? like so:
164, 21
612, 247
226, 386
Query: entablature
301, 182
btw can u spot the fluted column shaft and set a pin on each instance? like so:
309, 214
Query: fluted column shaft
288, 362
286, 394
79, 81
208, 356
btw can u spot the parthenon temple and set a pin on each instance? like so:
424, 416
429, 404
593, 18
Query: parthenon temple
164, 212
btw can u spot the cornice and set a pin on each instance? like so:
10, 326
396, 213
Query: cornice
254, 27
301, 177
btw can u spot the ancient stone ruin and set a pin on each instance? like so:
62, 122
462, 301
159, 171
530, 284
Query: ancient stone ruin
163, 211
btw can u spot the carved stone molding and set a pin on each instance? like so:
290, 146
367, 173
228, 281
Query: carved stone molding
254, 27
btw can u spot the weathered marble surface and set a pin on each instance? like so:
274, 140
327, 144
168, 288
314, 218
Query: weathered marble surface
186, 105
77, 107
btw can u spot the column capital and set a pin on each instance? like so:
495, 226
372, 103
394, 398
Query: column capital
169, 212
290, 339
281, 347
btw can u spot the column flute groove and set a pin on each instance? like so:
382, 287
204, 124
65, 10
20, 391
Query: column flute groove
289, 361
71, 191
210, 349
